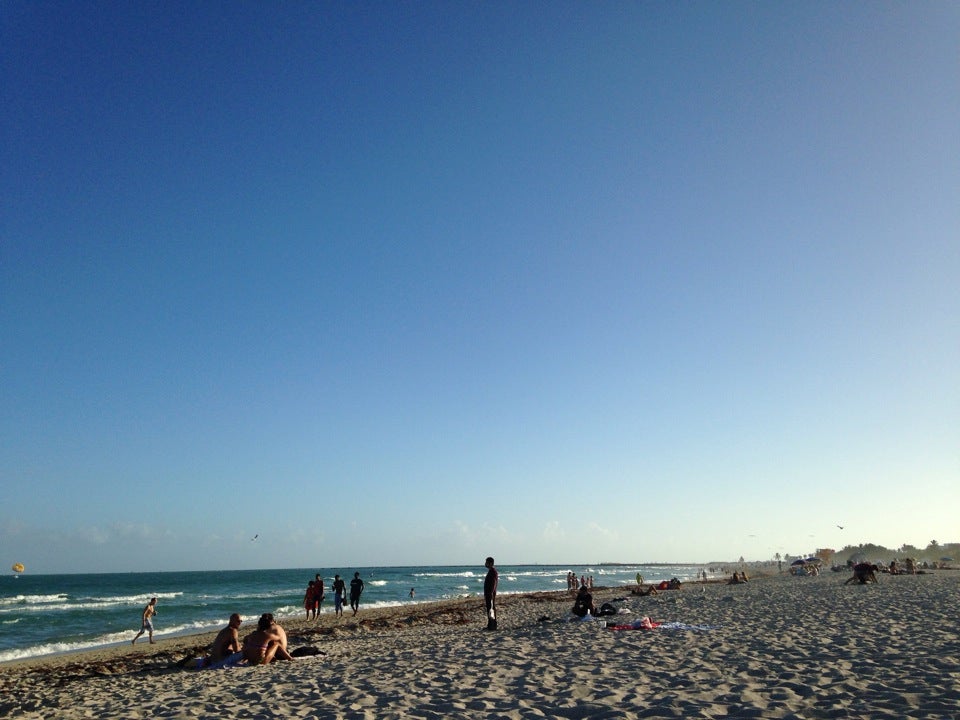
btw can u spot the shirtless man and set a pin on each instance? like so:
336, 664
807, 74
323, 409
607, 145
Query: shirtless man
227, 641
146, 624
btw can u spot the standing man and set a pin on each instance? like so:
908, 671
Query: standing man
339, 587
490, 593
146, 624
356, 587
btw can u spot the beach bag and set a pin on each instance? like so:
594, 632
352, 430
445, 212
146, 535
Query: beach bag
606, 609
305, 651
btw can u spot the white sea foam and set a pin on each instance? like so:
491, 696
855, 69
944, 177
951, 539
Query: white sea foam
282, 592
381, 604
61, 607
32, 599
100, 641
53, 603
465, 573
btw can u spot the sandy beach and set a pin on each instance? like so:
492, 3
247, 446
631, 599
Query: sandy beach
776, 647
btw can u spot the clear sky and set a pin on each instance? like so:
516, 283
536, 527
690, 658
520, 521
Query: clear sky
415, 283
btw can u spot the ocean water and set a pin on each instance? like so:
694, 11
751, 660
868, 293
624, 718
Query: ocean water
46, 614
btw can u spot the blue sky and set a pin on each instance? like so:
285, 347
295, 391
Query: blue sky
415, 283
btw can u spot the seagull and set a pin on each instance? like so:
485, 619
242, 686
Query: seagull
254, 537
840, 526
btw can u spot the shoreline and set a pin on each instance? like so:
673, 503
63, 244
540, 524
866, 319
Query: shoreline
379, 618
777, 647
43, 616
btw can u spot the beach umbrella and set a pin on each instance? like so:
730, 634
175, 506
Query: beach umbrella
17, 567
798, 561
813, 560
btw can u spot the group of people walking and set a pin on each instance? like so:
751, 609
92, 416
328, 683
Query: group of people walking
313, 598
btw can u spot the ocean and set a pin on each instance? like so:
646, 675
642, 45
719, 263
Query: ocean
47, 614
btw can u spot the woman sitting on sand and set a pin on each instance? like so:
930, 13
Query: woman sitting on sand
584, 604
262, 645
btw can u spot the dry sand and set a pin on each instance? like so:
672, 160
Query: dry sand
779, 647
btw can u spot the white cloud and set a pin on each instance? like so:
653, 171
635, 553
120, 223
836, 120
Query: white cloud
553, 532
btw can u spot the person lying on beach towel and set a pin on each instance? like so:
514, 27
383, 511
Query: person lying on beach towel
643, 623
671, 584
